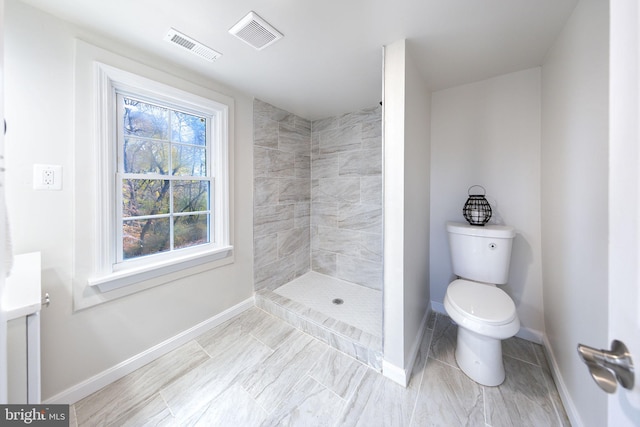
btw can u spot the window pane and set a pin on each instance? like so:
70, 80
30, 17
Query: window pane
190, 196
143, 156
190, 230
188, 129
144, 197
189, 160
146, 237
145, 120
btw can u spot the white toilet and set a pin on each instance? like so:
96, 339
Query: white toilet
484, 313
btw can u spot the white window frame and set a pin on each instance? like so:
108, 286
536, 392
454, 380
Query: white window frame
109, 274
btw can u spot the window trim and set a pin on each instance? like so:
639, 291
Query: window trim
107, 274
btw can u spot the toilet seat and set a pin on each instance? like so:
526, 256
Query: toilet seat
483, 309
483, 303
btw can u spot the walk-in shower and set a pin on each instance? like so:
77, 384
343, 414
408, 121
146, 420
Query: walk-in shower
318, 225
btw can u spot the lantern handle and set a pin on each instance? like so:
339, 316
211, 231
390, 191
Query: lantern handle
484, 191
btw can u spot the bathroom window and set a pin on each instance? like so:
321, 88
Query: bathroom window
163, 202
164, 173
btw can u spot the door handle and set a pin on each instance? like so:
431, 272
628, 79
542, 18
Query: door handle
609, 367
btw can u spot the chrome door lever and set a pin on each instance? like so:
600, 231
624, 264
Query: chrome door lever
609, 367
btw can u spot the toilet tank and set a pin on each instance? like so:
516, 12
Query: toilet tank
481, 253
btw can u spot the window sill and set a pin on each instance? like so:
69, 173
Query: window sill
120, 279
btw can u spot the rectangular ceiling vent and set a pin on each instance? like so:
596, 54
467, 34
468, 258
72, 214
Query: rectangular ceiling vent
255, 31
193, 46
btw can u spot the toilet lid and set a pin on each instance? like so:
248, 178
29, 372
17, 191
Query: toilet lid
481, 302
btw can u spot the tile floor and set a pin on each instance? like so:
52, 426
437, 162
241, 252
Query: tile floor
257, 370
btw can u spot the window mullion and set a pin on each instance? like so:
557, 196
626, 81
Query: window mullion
171, 186
171, 216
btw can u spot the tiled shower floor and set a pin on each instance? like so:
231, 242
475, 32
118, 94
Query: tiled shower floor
361, 307
354, 327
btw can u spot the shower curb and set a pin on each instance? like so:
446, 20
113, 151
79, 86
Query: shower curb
354, 342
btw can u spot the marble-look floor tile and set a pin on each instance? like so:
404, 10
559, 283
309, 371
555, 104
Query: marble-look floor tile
234, 407
431, 320
378, 401
362, 401
272, 331
73, 420
420, 364
217, 340
309, 404
443, 343
125, 394
270, 381
243, 381
196, 389
522, 399
338, 372
152, 412
551, 386
519, 349
448, 397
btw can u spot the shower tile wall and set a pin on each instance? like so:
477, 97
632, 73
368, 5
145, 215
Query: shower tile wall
346, 197
317, 196
281, 197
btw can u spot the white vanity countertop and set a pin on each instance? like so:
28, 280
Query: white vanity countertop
23, 293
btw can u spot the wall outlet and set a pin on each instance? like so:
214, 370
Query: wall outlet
47, 177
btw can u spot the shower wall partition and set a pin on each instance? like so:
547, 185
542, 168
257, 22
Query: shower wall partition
318, 225
346, 202
281, 196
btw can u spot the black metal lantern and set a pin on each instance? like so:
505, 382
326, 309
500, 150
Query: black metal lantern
477, 210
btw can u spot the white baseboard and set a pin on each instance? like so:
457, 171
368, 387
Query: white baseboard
394, 373
438, 307
569, 407
400, 375
530, 335
95, 383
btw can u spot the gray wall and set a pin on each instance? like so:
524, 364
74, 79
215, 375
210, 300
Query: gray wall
282, 195
317, 196
346, 197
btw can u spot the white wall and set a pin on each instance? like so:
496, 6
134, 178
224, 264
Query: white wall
575, 202
417, 155
488, 133
77, 345
406, 210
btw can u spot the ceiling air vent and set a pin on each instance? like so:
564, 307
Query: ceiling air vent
255, 31
197, 48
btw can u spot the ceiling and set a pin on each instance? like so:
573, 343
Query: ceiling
330, 59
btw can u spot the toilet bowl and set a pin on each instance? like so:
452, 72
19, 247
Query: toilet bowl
484, 313
485, 316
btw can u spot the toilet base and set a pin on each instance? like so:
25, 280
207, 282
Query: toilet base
480, 357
